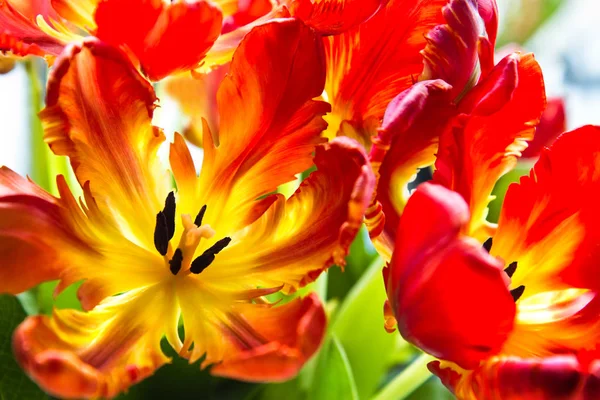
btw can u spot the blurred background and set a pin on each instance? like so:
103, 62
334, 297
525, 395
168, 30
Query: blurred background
563, 36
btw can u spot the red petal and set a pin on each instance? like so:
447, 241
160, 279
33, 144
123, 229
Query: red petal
449, 295
552, 124
165, 37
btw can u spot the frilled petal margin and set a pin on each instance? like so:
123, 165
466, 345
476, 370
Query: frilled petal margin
514, 378
437, 272
99, 112
274, 76
165, 37
407, 140
75, 354
495, 121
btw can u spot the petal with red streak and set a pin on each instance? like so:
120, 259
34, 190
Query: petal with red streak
407, 140
331, 17
99, 112
297, 239
435, 275
552, 124
549, 222
238, 13
100, 353
80, 12
267, 114
19, 33
166, 38
372, 63
483, 142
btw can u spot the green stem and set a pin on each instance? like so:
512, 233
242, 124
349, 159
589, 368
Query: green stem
407, 381
39, 152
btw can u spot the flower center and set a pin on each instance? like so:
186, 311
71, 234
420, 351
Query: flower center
517, 292
193, 233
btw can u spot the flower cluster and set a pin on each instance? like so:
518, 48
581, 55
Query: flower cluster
201, 253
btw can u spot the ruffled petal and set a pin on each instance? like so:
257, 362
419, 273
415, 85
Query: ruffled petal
451, 53
437, 272
407, 140
196, 94
101, 353
166, 37
19, 32
549, 222
37, 234
513, 378
372, 63
331, 17
251, 342
297, 239
99, 112
483, 142
276, 72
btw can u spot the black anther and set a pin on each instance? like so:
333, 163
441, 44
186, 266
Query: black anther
175, 262
200, 216
510, 270
203, 261
169, 212
487, 245
517, 292
161, 234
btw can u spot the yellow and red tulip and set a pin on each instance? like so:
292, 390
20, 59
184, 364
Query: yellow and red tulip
207, 252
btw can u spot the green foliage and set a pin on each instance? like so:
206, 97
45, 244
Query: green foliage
14, 384
334, 379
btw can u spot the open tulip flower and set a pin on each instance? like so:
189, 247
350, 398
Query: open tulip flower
522, 321
206, 253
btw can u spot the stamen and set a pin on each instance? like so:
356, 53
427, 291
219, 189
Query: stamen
200, 216
165, 225
203, 261
175, 262
517, 292
161, 234
487, 245
510, 270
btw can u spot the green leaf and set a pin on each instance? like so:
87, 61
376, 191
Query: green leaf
359, 327
333, 376
523, 167
14, 384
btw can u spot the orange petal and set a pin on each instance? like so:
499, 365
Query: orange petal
19, 33
552, 124
497, 118
295, 240
407, 140
37, 234
512, 378
549, 222
331, 17
372, 63
101, 353
451, 53
166, 37
196, 94
280, 122
99, 112
272, 343
439, 273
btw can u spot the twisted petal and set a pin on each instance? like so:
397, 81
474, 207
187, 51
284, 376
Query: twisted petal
437, 272
166, 37
37, 235
252, 342
549, 222
99, 112
552, 124
295, 240
276, 72
483, 142
513, 378
19, 32
407, 140
451, 53
332, 17
100, 353
372, 63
